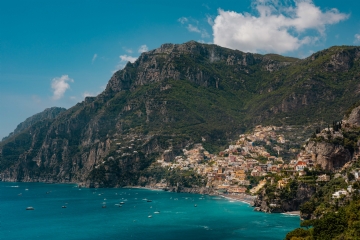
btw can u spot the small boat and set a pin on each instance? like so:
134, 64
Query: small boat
19, 194
195, 205
148, 200
120, 205
30, 208
122, 202
103, 206
145, 199
26, 189
157, 212
63, 206
150, 216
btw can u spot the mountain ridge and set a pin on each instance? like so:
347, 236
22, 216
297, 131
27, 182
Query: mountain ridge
172, 97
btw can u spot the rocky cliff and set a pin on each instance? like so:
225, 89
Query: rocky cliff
49, 113
171, 98
280, 203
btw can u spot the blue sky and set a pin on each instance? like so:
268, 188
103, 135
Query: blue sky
54, 53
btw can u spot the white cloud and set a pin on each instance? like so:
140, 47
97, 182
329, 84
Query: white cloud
94, 58
123, 60
210, 20
277, 28
128, 50
88, 94
126, 58
143, 48
183, 20
357, 38
60, 85
192, 28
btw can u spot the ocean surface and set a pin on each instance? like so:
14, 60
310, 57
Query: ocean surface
85, 218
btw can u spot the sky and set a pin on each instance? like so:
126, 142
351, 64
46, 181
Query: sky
55, 53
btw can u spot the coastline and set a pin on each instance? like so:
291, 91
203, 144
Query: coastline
147, 188
248, 199
292, 213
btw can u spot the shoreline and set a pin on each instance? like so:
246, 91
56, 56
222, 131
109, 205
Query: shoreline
240, 198
146, 188
292, 213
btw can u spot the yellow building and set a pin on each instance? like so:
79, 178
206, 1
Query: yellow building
240, 174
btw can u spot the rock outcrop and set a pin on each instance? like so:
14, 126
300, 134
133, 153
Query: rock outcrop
328, 155
278, 205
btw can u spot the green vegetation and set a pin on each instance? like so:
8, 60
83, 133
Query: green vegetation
176, 177
189, 97
342, 224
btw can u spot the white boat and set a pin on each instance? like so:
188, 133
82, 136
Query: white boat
30, 208
157, 212
150, 216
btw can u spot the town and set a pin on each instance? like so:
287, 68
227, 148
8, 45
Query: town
245, 166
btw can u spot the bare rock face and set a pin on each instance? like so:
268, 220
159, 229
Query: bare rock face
329, 156
354, 118
303, 194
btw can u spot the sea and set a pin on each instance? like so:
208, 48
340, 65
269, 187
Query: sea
143, 214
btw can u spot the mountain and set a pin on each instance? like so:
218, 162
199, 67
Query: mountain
49, 113
173, 97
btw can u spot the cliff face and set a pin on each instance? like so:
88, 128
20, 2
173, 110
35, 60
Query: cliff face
278, 204
49, 113
170, 98
328, 155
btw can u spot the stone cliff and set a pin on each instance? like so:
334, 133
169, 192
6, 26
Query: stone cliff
279, 204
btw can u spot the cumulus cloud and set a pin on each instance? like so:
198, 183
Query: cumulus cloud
277, 28
357, 38
143, 48
94, 58
60, 85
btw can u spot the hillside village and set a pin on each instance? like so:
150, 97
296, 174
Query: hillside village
239, 168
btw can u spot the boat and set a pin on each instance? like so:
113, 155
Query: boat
157, 212
145, 199
19, 194
148, 200
195, 205
103, 206
63, 206
150, 216
30, 208
122, 202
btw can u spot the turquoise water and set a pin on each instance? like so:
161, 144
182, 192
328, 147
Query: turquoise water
84, 217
